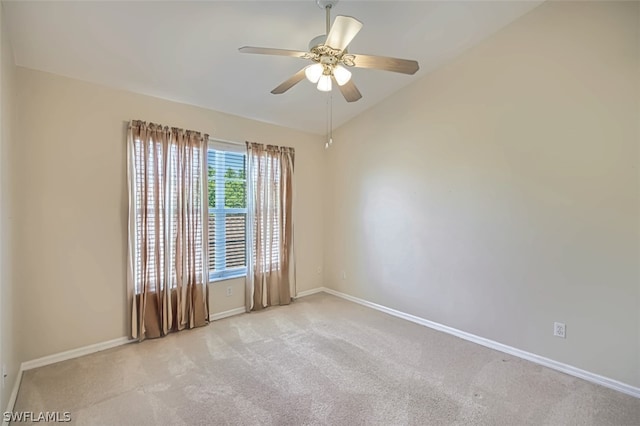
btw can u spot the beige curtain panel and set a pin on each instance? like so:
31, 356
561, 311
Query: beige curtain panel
167, 283
270, 253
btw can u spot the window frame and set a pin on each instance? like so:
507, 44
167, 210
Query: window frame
219, 148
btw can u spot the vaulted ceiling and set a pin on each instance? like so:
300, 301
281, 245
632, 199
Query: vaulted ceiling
188, 51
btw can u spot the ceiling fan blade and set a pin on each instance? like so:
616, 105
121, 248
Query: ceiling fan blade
404, 66
343, 30
349, 91
269, 51
288, 84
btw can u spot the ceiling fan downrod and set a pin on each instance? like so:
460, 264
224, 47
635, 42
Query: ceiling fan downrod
328, 19
327, 5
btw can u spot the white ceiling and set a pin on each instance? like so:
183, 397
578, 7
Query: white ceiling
188, 51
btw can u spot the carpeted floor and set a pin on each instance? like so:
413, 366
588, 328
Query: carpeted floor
321, 360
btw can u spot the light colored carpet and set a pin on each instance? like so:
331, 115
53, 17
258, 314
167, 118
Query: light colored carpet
321, 360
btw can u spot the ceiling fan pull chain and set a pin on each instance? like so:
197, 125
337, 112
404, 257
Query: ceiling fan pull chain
326, 144
329, 120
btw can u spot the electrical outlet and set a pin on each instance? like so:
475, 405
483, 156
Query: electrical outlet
229, 291
559, 330
344, 275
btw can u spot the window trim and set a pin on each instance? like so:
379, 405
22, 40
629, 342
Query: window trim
220, 147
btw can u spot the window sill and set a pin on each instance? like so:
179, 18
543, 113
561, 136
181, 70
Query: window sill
227, 277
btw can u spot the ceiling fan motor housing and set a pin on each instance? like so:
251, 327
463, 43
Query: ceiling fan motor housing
328, 60
317, 41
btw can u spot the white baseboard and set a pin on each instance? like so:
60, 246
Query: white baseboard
225, 314
555, 365
74, 353
14, 394
309, 292
237, 311
62, 356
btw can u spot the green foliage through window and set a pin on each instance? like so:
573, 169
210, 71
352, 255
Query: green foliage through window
235, 189
212, 187
235, 185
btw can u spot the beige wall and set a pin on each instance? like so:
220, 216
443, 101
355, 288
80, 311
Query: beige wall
501, 192
9, 354
72, 203
496, 195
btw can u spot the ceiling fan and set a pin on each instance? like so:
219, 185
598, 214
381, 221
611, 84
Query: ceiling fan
331, 59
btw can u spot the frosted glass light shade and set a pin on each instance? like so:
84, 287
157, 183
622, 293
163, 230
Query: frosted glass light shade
324, 84
314, 72
342, 75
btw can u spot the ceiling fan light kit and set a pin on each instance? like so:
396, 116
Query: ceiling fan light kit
324, 84
330, 57
314, 72
342, 75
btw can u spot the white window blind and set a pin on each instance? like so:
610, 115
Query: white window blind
227, 193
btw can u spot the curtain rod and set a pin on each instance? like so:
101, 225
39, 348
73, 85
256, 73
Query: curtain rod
226, 141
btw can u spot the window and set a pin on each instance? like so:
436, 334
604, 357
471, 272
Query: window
227, 190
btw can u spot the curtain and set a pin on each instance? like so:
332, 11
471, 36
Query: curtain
270, 251
167, 274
